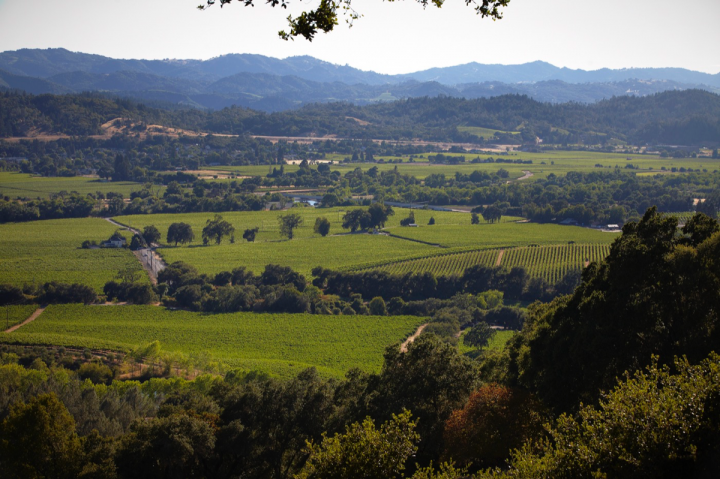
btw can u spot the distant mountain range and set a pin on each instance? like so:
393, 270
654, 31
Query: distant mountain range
271, 84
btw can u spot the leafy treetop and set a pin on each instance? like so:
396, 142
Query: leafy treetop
325, 16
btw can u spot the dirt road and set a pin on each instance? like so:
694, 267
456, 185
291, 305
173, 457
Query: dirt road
526, 174
30, 319
151, 262
404, 345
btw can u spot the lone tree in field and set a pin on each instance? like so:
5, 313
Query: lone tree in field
479, 335
151, 234
410, 220
322, 226
325, 16
379, 214
288, 223
492, 214
356, 219
180, 233
250, 233
216, 229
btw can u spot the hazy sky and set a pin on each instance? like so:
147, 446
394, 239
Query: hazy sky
397, 37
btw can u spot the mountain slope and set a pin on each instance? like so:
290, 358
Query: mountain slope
46, 63
30, 84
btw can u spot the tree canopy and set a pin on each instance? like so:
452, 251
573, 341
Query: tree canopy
288, 223
324, 17
656, 293
216, 229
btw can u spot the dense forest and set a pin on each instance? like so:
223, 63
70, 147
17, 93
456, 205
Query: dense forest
689, 117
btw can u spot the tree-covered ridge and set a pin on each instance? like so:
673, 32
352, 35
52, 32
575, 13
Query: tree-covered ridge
689, 117
657, 293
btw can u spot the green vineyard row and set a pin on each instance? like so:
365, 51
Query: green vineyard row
550, 262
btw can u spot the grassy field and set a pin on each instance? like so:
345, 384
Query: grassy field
282, 344
486, 235
29, 186
41, 251
15, 313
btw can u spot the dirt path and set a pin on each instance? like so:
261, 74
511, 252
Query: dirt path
132, 230
500, 255
404, 345
526, 174
151, 262
30, 319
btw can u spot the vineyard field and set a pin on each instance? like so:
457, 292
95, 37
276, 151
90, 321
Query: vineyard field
40, 251
281, 344
15, 314
267, 221
441, 265
552, 262
543, 164
549, 262
28, 186
301, 254
502, 235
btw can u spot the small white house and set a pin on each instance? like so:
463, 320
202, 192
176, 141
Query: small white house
113, 243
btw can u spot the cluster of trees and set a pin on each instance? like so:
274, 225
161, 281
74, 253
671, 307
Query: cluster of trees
637, 120
656, 293
130, 288
426, 406
52, 292
515, 284
71, 205
374, 217
243, 425
276, 289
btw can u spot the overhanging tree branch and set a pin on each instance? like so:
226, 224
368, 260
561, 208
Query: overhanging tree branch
325, 16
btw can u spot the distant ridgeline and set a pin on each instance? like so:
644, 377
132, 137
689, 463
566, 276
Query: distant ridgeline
270, 84
689, 117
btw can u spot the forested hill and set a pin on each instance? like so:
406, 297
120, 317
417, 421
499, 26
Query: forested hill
689, 117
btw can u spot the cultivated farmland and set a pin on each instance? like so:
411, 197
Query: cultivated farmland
13, 314
282, 344
441, 264
548, 262
40, 251
28, 186
486, 235
552, 262
355, 251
